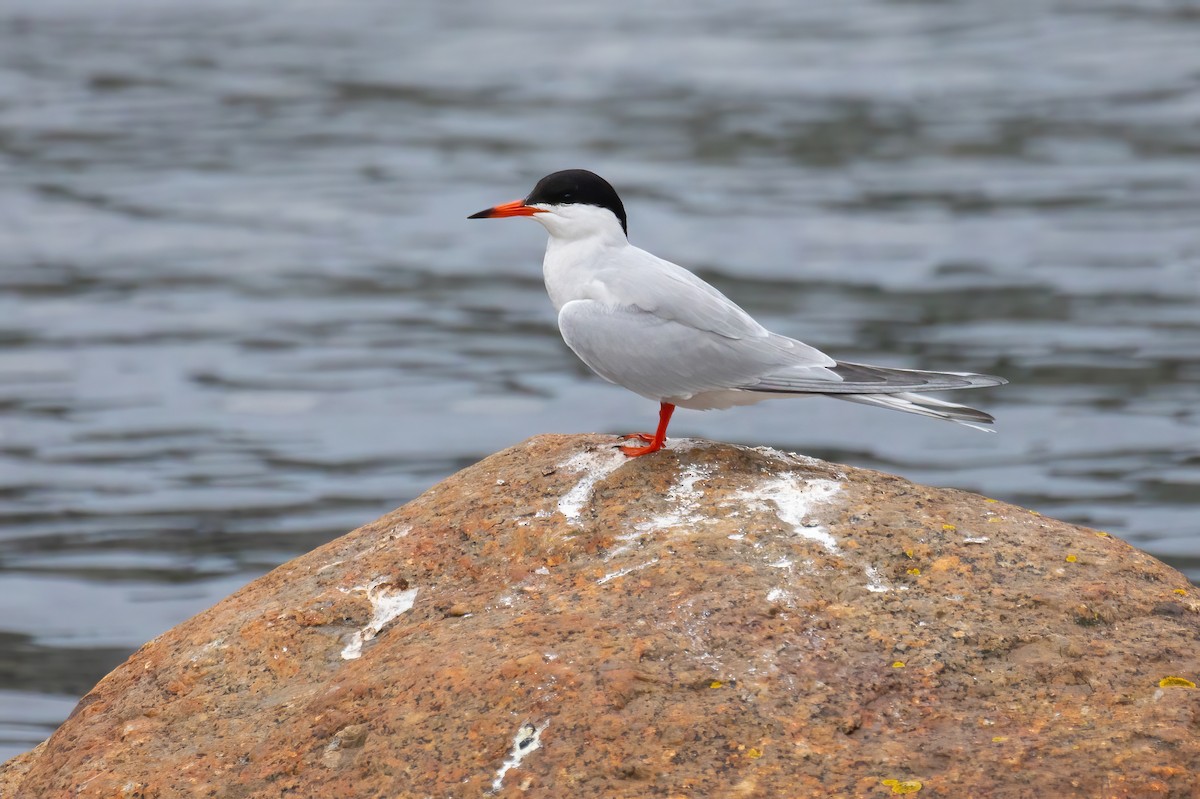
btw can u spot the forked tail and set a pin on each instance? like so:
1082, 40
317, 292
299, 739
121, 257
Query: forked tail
925, 406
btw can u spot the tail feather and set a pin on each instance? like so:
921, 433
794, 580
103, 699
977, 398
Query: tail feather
925, 406
858, 378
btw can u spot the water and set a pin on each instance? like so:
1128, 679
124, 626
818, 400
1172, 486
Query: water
242, 311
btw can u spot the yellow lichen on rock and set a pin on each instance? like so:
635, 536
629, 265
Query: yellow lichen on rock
903, 786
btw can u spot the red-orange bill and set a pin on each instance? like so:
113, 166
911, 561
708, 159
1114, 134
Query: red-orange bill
514, 208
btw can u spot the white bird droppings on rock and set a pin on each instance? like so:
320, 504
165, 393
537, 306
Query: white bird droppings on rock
686, 498
875, 582
527, 740
627, 541
779, 597
625, 571
794, 499
387, 602
595, 465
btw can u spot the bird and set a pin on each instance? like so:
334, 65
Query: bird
650, 325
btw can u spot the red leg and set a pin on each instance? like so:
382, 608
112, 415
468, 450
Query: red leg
665, 409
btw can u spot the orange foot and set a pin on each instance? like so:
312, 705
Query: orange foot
653, 443
633, 452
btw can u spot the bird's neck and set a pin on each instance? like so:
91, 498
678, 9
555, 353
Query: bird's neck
571, 265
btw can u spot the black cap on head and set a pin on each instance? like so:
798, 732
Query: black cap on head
580, 187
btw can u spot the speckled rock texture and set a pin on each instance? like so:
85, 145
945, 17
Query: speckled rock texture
707, 621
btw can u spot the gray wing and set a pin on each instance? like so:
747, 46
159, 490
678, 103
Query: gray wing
667, 291
660, 357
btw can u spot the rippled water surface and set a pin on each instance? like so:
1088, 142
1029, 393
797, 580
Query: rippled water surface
242, 311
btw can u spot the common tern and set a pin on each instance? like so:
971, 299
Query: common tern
658, 330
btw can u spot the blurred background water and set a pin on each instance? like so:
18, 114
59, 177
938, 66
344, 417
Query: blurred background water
242, 310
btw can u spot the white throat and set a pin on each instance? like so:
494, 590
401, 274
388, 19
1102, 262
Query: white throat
583, 240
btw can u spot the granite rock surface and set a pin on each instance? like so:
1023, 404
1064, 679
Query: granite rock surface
708, 621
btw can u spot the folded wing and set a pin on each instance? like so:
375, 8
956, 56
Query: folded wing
662, 358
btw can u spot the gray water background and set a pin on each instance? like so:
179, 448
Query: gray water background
242, 310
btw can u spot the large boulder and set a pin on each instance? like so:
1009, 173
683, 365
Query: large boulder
707, 621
